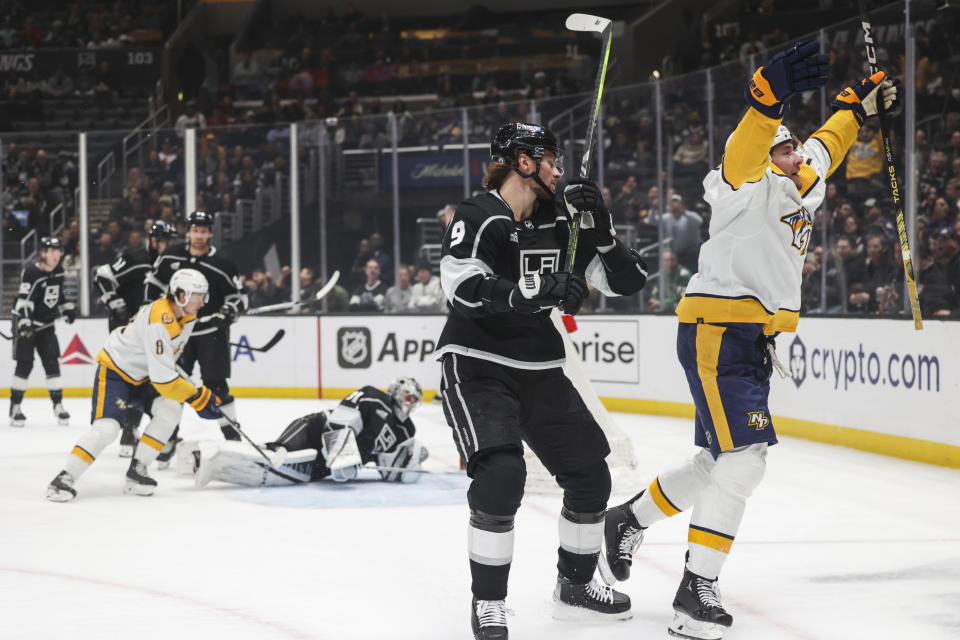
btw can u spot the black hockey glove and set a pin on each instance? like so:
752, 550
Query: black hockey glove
229, 312
206, 404
596, 226
119, 314
69, 312
536, 292
799, 68
23, 328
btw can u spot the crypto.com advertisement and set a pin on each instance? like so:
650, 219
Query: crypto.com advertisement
876, 375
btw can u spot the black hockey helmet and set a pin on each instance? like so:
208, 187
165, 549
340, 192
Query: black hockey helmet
162, 229
531, 139
199, 219
50, 242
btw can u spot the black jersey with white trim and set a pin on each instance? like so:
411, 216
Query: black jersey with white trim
40, 296
369, 412
486, 250
125, 277
220, 271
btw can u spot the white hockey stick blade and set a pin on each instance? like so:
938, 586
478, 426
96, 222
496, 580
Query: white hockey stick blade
327, 288
586, 22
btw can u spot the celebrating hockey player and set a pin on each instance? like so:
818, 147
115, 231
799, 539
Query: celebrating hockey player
210, 344
40, 302
121, 285
367, 426
502, 358
138, 367
763, 196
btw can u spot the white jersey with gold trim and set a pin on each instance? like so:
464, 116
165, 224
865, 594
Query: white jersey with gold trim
750, 268
148, 348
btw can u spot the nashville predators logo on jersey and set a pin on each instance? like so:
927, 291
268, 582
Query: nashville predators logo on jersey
801, 225
758, 420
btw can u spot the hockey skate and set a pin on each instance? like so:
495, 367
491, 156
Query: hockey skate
169, 449
573, 601
128, 442
699, 613
17, 419
488, 619
61, 488
63, 418
138, 482
622, 534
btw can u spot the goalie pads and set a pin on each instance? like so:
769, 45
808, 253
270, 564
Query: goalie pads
240, 463
404, 462
342, 454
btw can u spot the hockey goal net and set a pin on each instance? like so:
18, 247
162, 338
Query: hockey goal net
622, 459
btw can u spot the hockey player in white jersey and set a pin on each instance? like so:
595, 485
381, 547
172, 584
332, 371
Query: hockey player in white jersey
763, 196
138, 367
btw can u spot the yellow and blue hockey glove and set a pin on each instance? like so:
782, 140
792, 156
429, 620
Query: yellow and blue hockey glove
799, 68
862, 98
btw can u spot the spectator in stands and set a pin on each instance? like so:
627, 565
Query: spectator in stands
128, 210
675, 278
103, 89
8, 34
247, 76
947, 253
864, 161
427, 296
59, 84
445, 214
397, 298
682, 228
627, 197
103, 252
934, 290
359, 265
382, 257
651, 209
868, 286
691, 156
368, 296
936, 174
190, 118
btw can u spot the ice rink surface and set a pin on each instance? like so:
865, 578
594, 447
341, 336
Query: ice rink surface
836, 543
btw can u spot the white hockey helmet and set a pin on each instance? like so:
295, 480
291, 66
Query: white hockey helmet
783, 135
189, 281
407, 396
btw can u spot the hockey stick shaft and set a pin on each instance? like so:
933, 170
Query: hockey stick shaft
236, 426
269, 345
5, 336
891, 171
584, 172
284, 306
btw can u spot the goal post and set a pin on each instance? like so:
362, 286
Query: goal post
622, 459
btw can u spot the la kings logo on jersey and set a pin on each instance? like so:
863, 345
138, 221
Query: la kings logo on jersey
801, 225
539, 261
386, 439
51, 295
353, 347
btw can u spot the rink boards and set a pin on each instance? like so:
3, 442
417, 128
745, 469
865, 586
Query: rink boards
876, 385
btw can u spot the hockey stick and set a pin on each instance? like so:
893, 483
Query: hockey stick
236, 426
270, 343
5, 336
891, 171
603, 26
283, 306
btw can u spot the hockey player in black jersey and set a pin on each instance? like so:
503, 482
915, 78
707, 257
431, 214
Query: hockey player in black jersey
502, 273
367, 426
210, 343
40, 302
121, 285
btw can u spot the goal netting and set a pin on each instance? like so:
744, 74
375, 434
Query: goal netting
622, 459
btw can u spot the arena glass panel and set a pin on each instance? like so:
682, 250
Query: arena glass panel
243, 179
39, 183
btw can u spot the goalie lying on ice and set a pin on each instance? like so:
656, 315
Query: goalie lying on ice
367, 426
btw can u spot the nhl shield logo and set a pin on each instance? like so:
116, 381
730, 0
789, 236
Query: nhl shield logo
798, 361
353, 347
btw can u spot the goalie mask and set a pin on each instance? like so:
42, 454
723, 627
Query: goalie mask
407, 396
